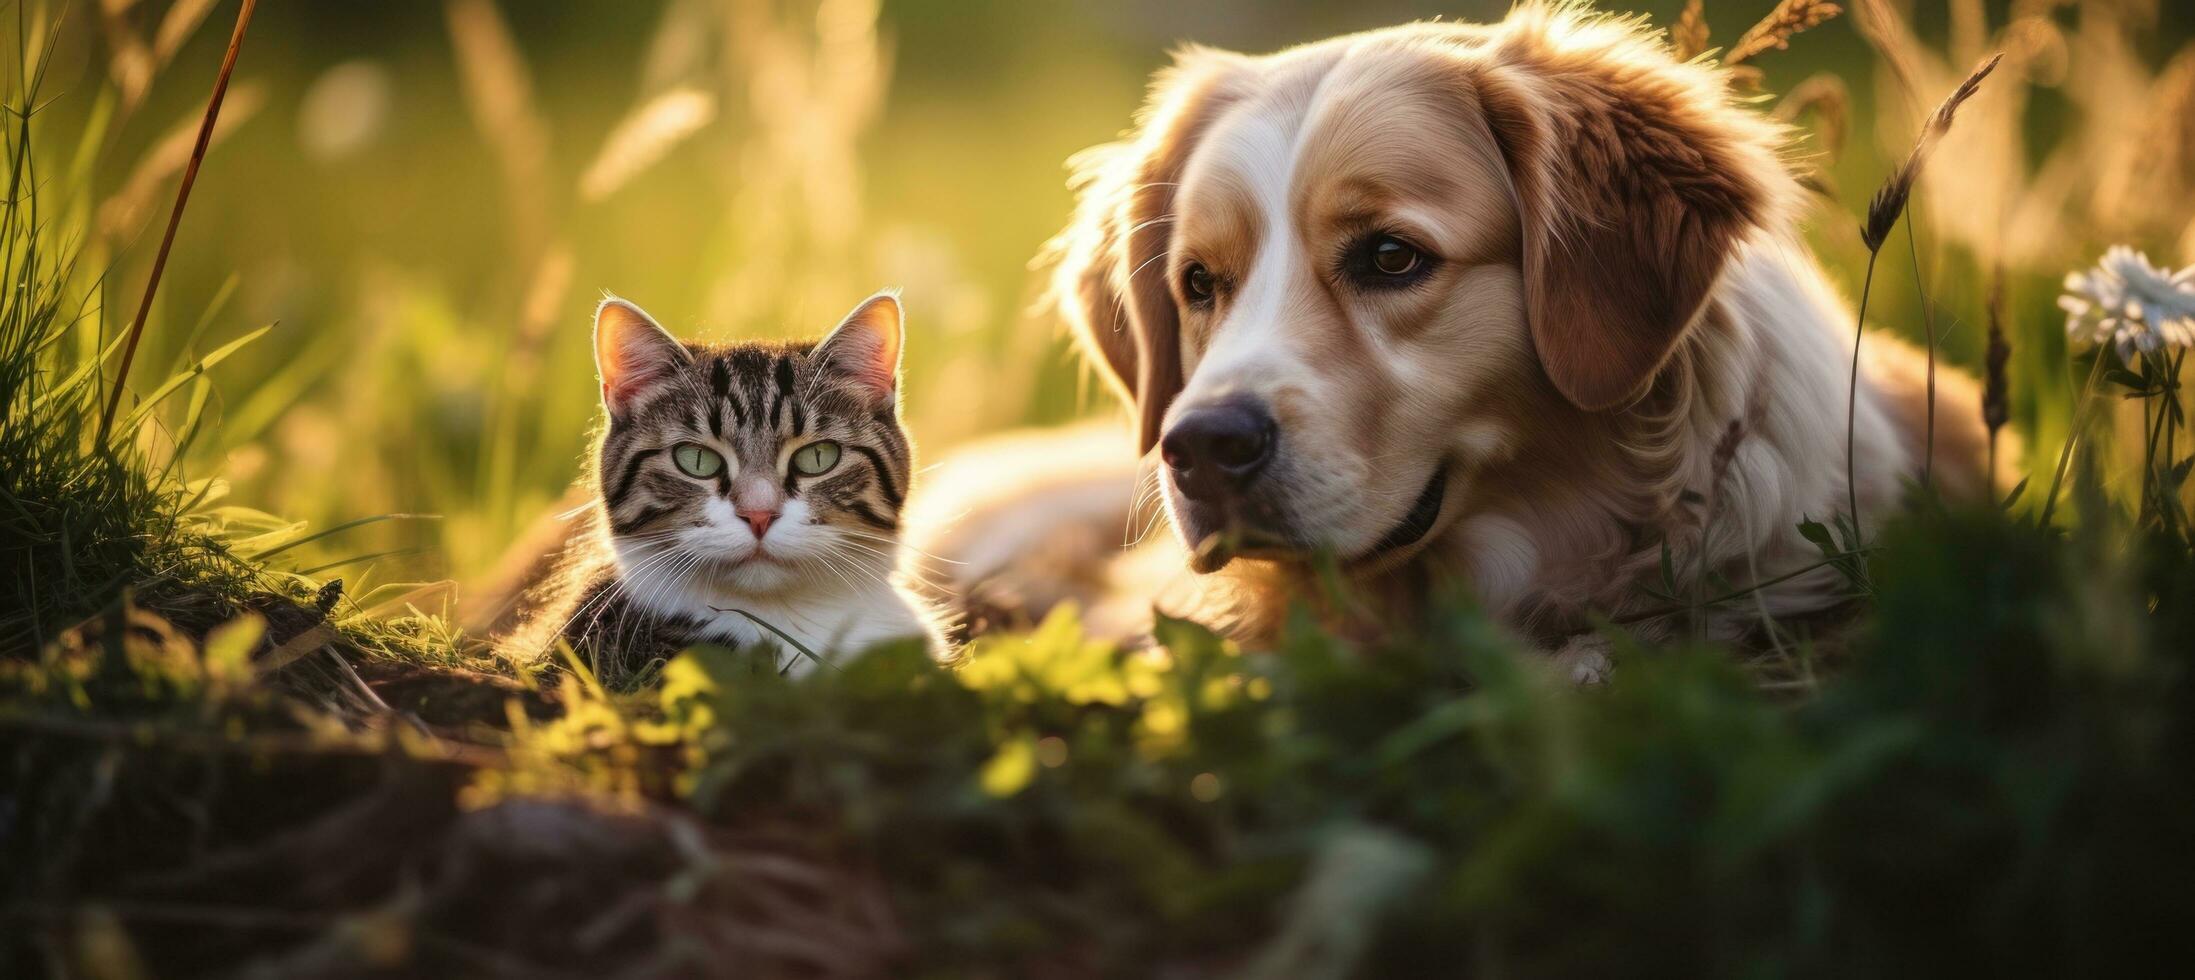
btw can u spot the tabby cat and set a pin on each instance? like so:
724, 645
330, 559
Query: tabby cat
748, 495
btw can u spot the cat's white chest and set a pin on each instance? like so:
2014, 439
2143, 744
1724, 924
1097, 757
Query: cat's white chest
834, 631
833, 621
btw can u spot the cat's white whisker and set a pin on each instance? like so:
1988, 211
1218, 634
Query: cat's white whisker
825, 560
602, 600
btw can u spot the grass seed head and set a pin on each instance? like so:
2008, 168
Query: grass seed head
1688, 36
1774, 32
1825, 97
1889, 203
1996, 400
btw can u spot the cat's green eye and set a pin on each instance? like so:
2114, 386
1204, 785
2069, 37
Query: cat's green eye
816, 458
696, 460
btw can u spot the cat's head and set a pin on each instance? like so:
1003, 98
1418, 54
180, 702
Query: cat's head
751, 468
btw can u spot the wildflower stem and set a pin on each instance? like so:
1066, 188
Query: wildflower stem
175, 217
2172, 428
2153, 424
2160, 373
1996, 358
2172, 405
2080, 420
1989, 476
1852, 396
1928, 317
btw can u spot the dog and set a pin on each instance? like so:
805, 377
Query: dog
1520, 305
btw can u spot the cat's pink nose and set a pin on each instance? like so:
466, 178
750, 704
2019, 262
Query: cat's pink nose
759, 520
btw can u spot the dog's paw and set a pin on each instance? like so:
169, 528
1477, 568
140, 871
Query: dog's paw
1584, 659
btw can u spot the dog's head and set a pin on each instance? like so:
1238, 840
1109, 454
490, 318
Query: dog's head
1330, 279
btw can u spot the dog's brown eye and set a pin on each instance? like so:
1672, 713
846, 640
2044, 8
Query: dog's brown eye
1391, 257
1381, 262
1196, 281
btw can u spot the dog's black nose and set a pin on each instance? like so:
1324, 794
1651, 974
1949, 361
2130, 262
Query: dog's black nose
1220, 448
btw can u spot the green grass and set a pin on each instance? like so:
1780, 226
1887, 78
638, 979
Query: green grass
82, 524
1995, 779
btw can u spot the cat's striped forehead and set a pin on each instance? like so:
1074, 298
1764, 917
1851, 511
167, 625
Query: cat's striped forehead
737, 387
759, 386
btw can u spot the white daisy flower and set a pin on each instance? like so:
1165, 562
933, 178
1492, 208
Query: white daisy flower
2135, 306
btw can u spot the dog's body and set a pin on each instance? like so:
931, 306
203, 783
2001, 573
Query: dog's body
1519, 305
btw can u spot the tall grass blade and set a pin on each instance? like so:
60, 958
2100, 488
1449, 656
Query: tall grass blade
1928, 319
175, 219
797, 646
1852, 398
1882, 215
338, 529
2073, 435
169, 387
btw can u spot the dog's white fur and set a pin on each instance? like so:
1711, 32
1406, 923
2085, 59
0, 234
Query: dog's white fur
1619, 282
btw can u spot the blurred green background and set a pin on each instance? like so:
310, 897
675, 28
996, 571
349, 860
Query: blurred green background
427, 199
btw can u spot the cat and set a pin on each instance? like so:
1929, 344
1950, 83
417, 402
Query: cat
747, 495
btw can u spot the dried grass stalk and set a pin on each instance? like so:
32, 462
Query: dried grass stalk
814, 76
539, 312
1889, 203
122, 214
1775, 31
1882, 215
1969, 28
1688, 37
643, 137
1817, 181
1825, 97
2158, 162
177, 26
679, 51
499, 94
1902, 52
129, 60
1996, 390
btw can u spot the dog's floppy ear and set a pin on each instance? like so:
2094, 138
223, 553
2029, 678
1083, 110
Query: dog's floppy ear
1110, 277
1635, 178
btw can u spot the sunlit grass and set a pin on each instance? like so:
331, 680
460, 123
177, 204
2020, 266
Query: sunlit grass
431, 273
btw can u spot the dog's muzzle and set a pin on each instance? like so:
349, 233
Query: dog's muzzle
1215, 455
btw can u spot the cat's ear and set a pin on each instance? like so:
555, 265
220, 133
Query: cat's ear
632, 353
864, 348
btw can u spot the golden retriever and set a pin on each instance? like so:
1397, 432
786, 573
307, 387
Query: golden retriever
1513, 304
